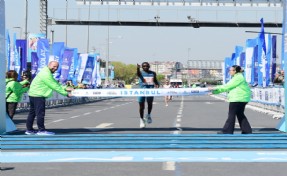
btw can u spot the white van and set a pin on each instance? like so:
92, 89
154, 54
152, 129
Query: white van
175, 82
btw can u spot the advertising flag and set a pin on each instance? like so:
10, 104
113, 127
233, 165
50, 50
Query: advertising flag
22, 47
58, 49
8, 52
87, 75
268, 43
43, 52
66, 64
238, 51
32, 44
82, 65
17, 62
273, 62
34, 63
249, 59
262, 62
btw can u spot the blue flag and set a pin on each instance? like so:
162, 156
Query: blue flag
17, 58
273, 62
8, 52
58, 49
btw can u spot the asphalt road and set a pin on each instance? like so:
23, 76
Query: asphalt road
184, 115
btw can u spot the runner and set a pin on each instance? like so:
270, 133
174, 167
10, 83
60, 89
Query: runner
147, 79
167, 98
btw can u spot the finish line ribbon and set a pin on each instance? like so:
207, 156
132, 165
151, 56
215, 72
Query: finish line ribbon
138, 92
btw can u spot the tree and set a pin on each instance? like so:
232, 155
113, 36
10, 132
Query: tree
124, 72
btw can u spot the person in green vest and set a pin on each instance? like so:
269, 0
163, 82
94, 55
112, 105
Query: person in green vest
14, 91
42, 87
239, 94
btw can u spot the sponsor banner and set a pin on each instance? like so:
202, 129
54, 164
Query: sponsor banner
22, 48
273, 62
32, 44
255, 68
227, 65
77, 68
17, 61
238, 51
43, 52
268, 43
96, 71
87, 75
66, 64
74, 66
98, 77
242, 61
34, 63
138, 92
8, 50
58, 48
82, 65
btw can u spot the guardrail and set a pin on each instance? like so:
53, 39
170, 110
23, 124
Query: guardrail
58, 100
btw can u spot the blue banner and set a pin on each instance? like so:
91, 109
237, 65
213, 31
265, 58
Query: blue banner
95, 70
8, 52
58, 49
43, 52
66, 64
268, 43
254, 77
273, 62
87, 76
34, 64
77, 70
227, 64
238, 51
250, 61
32, 46
233, 59
82, 66
74, 66
22, 45
17, 62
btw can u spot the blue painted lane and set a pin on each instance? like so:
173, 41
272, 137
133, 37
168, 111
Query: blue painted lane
144, 156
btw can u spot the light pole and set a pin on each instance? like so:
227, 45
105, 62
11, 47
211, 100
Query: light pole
108, 57
66, 25
88, 40
52, 36
26, 21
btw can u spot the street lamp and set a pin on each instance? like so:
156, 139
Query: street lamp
52, 36
108, 57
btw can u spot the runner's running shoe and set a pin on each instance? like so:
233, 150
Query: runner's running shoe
148, 118
142, 123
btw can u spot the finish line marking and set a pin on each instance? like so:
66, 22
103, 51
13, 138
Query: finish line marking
144, 156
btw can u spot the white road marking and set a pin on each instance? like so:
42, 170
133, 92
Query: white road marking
74, 117
104, 125
170, 165
58, 120
88, 113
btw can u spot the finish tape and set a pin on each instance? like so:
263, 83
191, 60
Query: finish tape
138, 92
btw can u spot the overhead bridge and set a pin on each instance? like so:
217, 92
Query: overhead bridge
240, 3
195, 24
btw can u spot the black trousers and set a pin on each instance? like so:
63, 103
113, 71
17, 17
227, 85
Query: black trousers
11, 108
37, 109
236, 109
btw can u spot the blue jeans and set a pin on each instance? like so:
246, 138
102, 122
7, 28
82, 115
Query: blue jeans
37, 109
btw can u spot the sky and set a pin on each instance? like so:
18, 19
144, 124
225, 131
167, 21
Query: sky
132, 45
